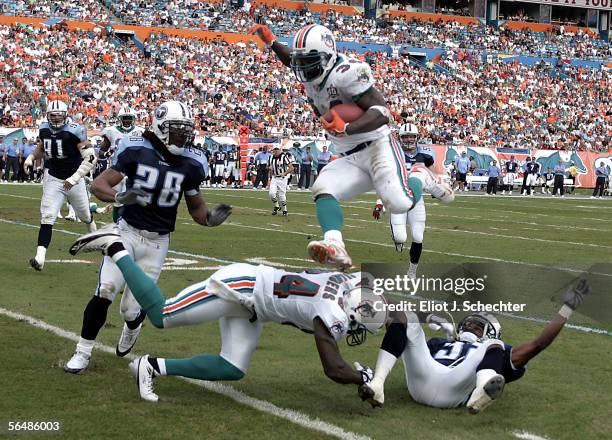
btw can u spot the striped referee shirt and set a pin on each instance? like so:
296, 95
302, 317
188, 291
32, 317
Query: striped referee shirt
279, 165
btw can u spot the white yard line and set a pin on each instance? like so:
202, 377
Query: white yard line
293, 416
524, 435
220, 260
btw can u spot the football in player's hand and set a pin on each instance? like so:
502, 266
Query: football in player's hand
348, 112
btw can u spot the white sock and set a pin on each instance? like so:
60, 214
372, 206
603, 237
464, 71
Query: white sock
483, 376
384, 365
161, 362
85, 346
41, 252
333, 235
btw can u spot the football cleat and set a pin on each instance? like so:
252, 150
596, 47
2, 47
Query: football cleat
98, 240
127, 340
77, 363
373, 393
275, 210
36, 265
330, 253
484, 396
142, 369
412, 271
70, 218
433, 184
285, 214
399, 247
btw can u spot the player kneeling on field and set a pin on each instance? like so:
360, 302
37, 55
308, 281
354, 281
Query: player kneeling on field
242, 297
468, 368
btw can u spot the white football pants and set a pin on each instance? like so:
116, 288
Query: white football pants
53, 197
415, 218
380, 166
278, 185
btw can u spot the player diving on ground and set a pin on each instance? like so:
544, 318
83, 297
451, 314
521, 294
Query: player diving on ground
469, 367
331, 305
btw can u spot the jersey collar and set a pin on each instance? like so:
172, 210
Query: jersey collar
339, 59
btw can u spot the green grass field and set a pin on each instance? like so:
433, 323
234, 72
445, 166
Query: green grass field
566, 393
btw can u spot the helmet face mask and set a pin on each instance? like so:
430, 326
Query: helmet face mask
173, 125
309, 66
313, 53
127, 121
363, 314
57, 114
57, 119
479, 327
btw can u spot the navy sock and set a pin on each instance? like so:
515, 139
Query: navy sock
395, 339
44, 235
415, 252
94, 317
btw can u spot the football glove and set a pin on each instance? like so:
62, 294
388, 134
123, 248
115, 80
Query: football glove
218, 215
575, 294
29, 162
133, 196
437, 323
263, 32
336, 126
377, 210
366, 372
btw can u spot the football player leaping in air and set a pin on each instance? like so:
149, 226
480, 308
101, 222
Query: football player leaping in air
111, 135
468, 368
159, 167
331, 305
68, 158
369, 157
418, 160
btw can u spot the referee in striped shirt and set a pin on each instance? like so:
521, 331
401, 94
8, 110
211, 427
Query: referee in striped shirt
280, 166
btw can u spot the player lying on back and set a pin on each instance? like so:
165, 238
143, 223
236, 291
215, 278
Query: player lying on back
368, 156
242, 297
469, 368
419, 161
68, 158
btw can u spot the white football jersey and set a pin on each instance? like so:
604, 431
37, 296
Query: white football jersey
298, 298
114, 134
345, 84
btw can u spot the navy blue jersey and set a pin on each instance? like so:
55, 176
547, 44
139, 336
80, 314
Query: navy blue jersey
219, 157
147, 170
232, 156
62, 155
422, 155
452, 353
511, 166
532, 168
549, 176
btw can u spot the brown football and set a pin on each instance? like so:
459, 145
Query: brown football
348, 112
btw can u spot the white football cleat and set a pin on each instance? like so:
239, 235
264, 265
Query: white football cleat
373, 392
98, 240
330, 253
485, 395
127, 340
70, 218
144, 372
433, 184
412, 271
77, 363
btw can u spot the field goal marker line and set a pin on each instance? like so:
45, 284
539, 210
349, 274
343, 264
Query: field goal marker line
221, 260
238, 396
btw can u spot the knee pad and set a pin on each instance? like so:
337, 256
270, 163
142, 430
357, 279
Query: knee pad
107, 291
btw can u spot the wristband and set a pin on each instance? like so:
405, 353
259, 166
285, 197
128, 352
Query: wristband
565, 311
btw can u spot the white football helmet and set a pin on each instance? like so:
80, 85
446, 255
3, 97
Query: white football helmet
126, 117
173, 125
408, 136
313, 53
366, 311
491, 328
57, 114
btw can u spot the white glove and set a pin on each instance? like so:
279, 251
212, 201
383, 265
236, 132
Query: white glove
29, 162
436, 323
367, 374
